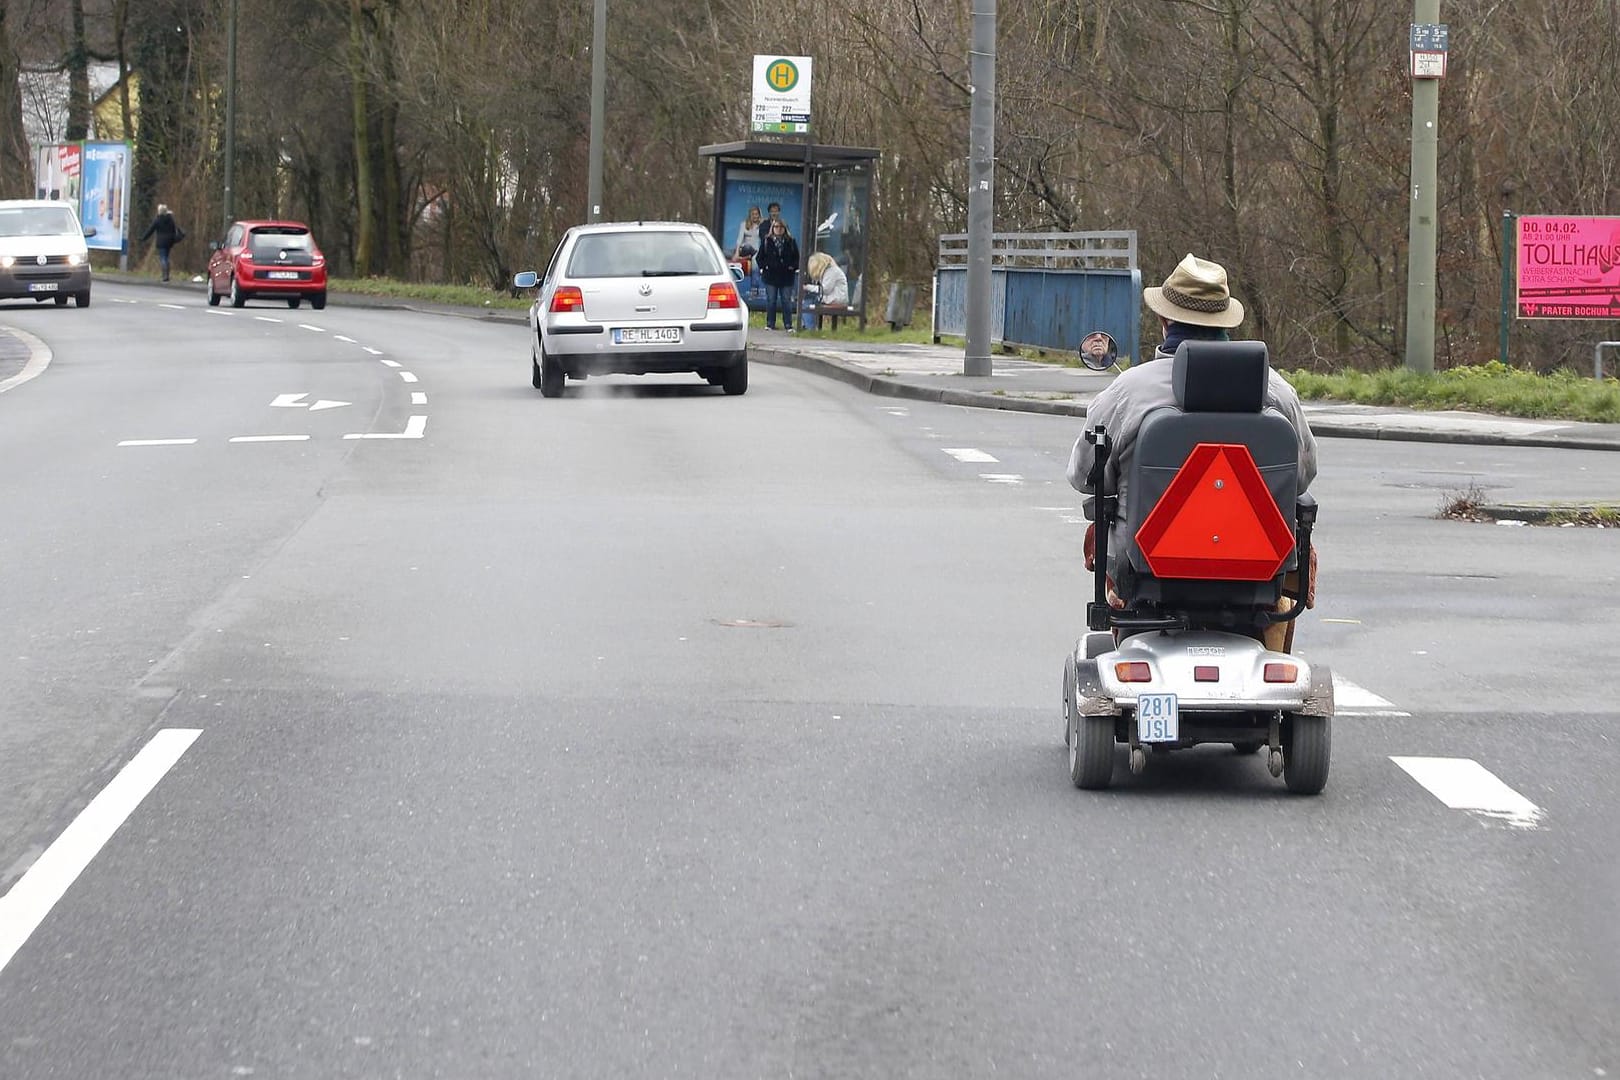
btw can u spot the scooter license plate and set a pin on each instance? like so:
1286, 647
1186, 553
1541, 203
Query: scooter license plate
1157, 718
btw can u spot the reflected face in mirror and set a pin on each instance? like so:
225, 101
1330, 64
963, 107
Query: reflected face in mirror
1098, 346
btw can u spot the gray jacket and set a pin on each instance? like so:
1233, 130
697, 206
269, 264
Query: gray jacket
1123, 406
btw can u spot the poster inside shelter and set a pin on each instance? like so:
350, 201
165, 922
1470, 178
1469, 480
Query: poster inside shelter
1569, 268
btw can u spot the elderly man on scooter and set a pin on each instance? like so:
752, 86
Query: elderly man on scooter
1194, 303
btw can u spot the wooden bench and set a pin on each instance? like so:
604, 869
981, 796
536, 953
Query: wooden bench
833, 312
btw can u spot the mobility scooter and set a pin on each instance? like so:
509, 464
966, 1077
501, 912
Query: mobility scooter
1213, 534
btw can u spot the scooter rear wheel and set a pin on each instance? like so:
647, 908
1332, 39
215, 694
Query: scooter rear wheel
1307, 743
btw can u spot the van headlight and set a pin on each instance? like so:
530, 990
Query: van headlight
75, 259
7, 261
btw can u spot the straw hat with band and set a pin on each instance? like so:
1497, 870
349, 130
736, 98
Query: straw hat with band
1196, 293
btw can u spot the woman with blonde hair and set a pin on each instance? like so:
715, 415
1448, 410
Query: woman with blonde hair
830, 279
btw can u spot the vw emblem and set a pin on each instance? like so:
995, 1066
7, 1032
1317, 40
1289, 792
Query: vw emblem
41, 260
282, 255
645, 289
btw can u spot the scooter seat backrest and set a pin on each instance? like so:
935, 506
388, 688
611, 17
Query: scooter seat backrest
1220, 391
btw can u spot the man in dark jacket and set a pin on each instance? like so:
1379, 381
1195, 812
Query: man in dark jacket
165, 234
779, 267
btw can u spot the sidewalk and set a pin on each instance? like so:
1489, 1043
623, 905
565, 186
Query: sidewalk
934, 373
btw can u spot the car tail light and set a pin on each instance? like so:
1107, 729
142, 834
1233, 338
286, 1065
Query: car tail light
723, 295
1133, 671
568, 298
1206, 673
1282, 673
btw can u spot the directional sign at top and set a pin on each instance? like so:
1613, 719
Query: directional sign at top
1429, 37
1217, 521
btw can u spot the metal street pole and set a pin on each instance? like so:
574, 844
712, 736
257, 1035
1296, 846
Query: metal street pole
981, 188
598, 107
1421, 231
230, 116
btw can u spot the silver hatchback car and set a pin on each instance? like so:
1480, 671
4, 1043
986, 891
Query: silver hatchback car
637, 298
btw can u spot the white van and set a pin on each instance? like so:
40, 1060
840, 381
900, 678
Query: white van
42, 252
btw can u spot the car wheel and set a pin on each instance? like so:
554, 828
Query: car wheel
318, 301
213, 297
60, 299
82, 299
238, 298
736, 378
292, 301
713, 376
551, 377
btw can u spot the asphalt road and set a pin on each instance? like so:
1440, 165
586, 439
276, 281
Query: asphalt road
650, 732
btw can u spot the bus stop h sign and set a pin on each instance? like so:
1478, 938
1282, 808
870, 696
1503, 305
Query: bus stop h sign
781, 94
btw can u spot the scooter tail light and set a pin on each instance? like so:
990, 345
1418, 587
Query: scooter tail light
567, 298
1206, 673
1282, 673
1133, 671
723, 295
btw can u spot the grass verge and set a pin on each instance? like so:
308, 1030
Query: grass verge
1492, 388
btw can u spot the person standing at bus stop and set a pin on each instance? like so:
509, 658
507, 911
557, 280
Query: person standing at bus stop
165, 233
779, 266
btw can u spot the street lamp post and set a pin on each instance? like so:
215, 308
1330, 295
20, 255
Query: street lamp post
230, 116
598, 96
981, 188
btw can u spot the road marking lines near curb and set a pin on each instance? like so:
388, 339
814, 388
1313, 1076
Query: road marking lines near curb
1465, 784
47, 881
415, 428
157, 442
969, 456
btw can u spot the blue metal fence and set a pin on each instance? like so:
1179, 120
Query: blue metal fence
1048, 290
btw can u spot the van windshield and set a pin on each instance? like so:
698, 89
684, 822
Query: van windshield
37, 221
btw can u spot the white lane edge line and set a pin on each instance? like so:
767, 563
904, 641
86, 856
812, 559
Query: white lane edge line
968, 455
1351, 696
418, 398
157, 442
407, 376
415, 428
53, 873
268, 438
1465, 784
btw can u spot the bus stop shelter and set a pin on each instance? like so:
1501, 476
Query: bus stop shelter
825, 194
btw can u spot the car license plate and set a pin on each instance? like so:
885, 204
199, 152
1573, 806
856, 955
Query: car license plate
647, 335
42, 286
284, 275
1157, 718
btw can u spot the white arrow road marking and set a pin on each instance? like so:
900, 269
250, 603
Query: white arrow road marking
296, 401
415, 428
31, 899
968, 455
157, 442
1464, 784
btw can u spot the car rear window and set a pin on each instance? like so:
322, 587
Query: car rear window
270, 241
37, 221
642, 253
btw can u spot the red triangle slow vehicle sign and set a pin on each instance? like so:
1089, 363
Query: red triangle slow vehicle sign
1216, 521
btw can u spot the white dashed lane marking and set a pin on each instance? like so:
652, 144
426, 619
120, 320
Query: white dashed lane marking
32, 897
418, 398
1348, 697
267, 318
415, 428
1001, 478
970, 456
407, 376
157, 442
269, 438
316, 329
1464, 784
390, 363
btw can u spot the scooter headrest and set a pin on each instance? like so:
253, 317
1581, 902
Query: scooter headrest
1220, 376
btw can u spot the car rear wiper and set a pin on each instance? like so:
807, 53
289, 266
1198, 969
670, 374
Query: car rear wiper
668, 273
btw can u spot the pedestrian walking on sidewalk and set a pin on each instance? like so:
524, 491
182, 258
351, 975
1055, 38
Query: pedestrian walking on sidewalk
165, 233
779, 267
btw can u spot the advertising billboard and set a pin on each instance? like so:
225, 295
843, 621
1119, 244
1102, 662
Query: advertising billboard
94, 177
1569, 268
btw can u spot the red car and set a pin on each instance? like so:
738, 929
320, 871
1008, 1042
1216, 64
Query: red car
276, 259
